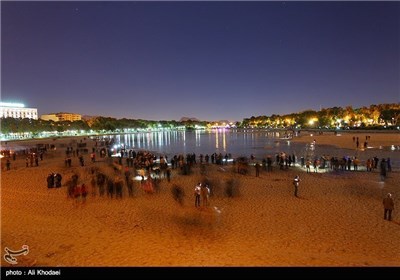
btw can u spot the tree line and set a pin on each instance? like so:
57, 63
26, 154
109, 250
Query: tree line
373, 117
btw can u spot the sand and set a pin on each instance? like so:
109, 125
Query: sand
345, 139
336, 221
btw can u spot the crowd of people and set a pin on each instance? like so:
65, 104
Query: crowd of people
151, 168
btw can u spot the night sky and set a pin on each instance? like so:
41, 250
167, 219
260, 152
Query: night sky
209, 60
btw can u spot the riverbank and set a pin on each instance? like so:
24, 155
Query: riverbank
336, 221
348, 140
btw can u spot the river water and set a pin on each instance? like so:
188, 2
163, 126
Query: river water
259, 143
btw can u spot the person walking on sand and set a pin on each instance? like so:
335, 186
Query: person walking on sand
388, 205
197, 192
296, 183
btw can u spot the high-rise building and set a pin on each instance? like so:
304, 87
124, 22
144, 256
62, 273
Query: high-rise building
17, 110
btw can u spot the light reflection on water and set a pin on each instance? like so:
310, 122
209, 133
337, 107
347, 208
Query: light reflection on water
239, 143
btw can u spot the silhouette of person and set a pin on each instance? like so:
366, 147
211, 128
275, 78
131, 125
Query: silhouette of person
388, 205
296, 183
197, 192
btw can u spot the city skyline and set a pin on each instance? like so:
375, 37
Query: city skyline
207, 60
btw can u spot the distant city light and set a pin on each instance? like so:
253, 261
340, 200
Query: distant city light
9, 104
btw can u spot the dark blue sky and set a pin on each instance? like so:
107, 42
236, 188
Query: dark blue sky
210, 60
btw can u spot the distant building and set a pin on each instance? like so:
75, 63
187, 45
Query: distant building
17, 110
49, 117
60, 117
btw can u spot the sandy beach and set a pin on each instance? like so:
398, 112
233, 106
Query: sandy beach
336, 221
345, 139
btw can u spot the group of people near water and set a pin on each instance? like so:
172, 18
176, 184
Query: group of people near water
153, 168
156, 167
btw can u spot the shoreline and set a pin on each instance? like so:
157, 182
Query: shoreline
345, 140
387, 144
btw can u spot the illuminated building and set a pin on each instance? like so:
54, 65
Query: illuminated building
17, 110
60, 117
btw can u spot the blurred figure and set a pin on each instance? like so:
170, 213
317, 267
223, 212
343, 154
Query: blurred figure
383, 169
178, 193
205, 192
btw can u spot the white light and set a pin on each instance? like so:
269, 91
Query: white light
139, 178
8, 104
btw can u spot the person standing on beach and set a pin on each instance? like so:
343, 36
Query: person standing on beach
57, 180
168, 174
77, 193
308, 163
84, 193
383, 169
197, 192
389, 165
302, 162
205, 192
8, 164
50, 180
296, 183
257, 166
93, 185
81, 160
388, 205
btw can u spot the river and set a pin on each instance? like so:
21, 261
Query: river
259, 143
